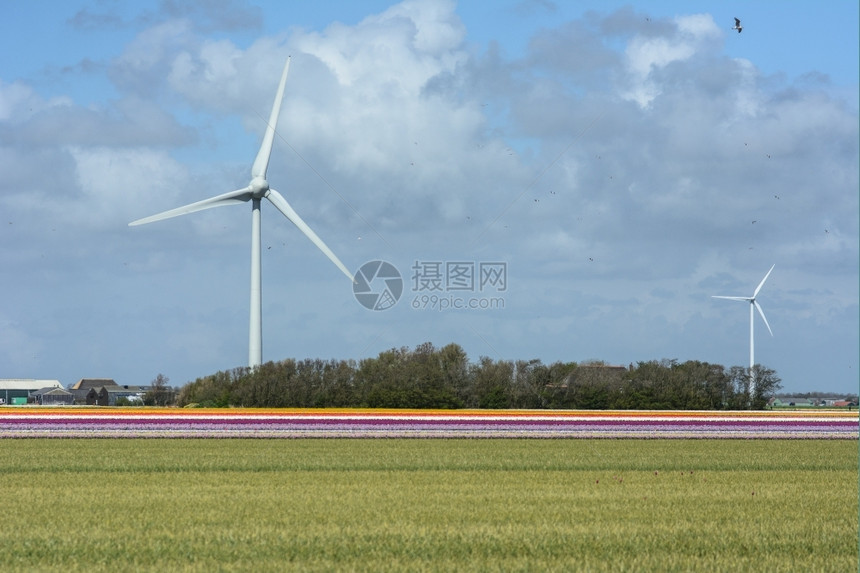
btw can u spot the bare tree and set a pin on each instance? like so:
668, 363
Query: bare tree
159, 393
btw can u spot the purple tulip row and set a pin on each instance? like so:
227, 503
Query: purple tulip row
423, 426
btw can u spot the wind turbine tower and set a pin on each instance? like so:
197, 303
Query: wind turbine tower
754, 305
257, 190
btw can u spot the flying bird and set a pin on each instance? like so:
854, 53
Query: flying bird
737, 26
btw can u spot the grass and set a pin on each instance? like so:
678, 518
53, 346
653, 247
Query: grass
429, 505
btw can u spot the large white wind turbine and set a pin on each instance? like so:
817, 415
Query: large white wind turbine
256, 190
753, 304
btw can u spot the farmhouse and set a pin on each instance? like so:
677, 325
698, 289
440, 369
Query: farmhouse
105, 392
805, 402
97, 397
17, 390
52, 397
83, 387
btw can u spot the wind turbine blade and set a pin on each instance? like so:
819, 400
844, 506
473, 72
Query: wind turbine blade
761, 284
261, 163
237, 196
761, 312
744, 298
281, 204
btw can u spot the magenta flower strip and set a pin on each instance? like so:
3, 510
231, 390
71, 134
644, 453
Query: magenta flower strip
453, 425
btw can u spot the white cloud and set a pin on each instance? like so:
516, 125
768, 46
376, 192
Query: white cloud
645, 54
13, 99
19, 102
120, 185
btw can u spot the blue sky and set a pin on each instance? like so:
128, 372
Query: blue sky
623, 162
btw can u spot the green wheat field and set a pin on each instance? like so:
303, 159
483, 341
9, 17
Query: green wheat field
429, 505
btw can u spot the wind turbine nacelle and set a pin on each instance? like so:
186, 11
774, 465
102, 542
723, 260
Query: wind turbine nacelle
258, 187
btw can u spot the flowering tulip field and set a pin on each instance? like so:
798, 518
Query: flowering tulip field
356, 423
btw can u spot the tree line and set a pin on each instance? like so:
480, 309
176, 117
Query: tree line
430, 377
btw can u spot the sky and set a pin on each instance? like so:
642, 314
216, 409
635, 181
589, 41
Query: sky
563, 181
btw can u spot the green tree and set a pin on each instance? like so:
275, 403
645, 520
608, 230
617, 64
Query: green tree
270, 385
337, 387
456, 374
427, 377
740, 382
556, 389
213, 391
653, 382
531, 379
767, 383
378, 378
595, 385
491, 384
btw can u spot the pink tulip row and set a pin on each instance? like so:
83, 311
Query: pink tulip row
130, 423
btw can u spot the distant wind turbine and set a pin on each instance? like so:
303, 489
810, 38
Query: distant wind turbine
753, 304
256, 190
